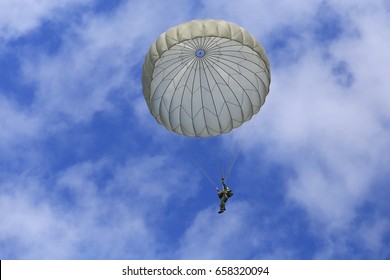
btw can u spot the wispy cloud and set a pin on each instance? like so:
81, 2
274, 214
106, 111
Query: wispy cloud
19, 17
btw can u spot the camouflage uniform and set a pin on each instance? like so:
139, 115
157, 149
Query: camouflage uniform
224, 195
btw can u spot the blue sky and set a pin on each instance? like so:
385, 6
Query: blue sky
87, 173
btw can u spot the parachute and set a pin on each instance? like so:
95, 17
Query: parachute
205, 77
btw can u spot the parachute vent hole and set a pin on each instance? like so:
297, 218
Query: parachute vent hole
200, 53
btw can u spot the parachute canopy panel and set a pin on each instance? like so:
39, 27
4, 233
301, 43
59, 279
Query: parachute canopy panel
205, 77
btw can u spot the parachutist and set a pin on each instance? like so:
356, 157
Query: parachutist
224, 195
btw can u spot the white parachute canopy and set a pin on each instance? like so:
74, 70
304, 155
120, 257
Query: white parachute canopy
205, 77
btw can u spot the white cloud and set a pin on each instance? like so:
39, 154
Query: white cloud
262, 17
372, 234
29, 226
17, 125
21, 16
368, 59
100, 209
203, 241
